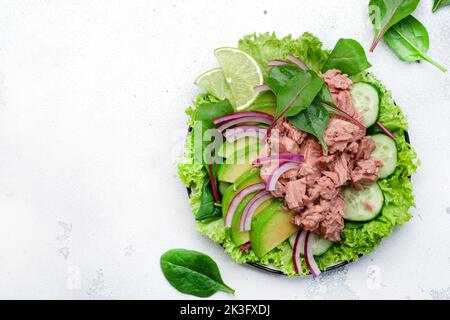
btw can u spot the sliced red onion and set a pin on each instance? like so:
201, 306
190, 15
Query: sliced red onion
245, 131
245, 247
250, 209
281, 157
299, 241
344, 115
234, 122
237, 115
297, 62
309, 257
277, 172
275, 63
261, 88
386, 131
238, 199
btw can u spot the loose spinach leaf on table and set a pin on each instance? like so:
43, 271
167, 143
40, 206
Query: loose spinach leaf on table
348, 56
438, 4
295, 88
209, 111
386, 13
193, 273
313, 120
208, 209
409, 41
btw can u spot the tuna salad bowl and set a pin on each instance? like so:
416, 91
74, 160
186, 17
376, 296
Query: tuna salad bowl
297, 159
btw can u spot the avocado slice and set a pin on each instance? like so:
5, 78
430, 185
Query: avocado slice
248, 178
229, 148
270, 228
238, 237
265, 102
235, 166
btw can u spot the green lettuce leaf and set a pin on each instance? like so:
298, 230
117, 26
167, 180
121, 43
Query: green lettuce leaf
357, 238
266, 47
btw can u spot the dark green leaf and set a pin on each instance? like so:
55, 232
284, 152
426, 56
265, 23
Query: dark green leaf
325, 96
313, 120
348, 56
409, 41
298, 93
193, 273
438, 4
279, 76
208, 209
209, 111
385, 13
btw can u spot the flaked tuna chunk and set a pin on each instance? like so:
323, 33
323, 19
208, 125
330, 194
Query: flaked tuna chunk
309, 173
311, 151
287, 145
343, 101
333, 223
267, 169
290, 175
352, 148
293, 133
336, 81
365, 172
339, 133
280, 190
342, 166
295, 191
365, 148
327, 188
310, 218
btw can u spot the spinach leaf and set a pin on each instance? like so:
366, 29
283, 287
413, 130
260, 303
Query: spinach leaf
207, 112
298, 93
208, 209
193, 273
438, 4
325, 96
313, 120
279, 76
348, 56
385, 13
409, 41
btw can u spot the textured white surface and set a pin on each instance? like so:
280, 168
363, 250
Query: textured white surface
92, 95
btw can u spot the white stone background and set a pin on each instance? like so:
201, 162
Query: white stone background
92, 95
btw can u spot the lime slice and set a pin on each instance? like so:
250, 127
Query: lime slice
213, 81
242, 73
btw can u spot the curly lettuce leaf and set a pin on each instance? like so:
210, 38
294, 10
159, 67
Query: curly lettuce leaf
267, 46
357, 238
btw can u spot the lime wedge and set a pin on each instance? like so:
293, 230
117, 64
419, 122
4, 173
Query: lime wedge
213, 81
242, 73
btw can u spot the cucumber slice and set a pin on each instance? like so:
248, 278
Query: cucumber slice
366, 101
319, 247
363, 205
386, 151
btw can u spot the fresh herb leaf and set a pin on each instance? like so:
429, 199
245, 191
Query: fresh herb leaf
193, 273
208, 209
325, 96
279, 76
207, 112
409, 41
313, 120
438, 4
296, 93
348, 56
386, 13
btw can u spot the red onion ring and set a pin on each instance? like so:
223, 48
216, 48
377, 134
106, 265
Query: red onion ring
277, 172
250, 209
297, 62
242, 114
299, 240
234, 122
244, 131
238, 199
309, 257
